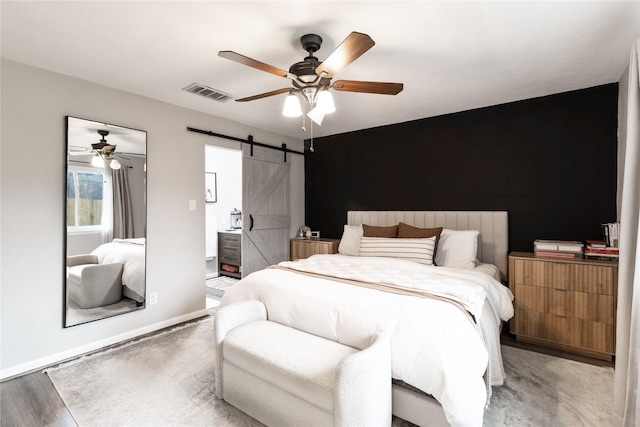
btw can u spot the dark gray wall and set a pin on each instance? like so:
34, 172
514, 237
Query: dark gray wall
550, 162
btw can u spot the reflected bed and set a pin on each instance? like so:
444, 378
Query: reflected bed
131, 254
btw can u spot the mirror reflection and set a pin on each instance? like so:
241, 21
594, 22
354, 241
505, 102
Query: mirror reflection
106, 221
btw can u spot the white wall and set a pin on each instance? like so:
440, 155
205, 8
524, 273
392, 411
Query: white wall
33, 108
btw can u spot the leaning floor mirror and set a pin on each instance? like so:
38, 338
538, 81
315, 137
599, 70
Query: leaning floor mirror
105, 245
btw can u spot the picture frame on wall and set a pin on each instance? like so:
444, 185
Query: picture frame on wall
211, 187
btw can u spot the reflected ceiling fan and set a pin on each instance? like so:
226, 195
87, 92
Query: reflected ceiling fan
312, 78
104, 152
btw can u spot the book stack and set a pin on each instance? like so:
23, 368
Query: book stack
611, 233
558, 248
607, 248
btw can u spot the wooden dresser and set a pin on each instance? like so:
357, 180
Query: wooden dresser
567, 304
230, 253
304, 248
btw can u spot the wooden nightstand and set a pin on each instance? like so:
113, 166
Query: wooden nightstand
304, 248
566, 304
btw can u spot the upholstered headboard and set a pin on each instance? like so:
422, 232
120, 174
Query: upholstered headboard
492, 225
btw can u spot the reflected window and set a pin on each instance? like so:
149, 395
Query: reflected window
85, 193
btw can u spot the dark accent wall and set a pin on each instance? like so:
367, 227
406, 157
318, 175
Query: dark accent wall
550, 162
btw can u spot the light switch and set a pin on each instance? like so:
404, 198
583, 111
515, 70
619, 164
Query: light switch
192, 205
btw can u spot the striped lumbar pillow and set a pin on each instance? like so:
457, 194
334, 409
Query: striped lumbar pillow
417, 250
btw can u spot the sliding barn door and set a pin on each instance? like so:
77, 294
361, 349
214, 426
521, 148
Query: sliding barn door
265, 206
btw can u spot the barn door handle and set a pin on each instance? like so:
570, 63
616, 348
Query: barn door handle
250, 222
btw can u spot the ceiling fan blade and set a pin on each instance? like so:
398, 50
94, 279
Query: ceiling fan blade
349, 50
382, 88
245, 60
78, 151
264, 95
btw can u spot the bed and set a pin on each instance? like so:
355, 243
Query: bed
444, 321
131, 254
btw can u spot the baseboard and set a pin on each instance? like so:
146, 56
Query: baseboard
54, 359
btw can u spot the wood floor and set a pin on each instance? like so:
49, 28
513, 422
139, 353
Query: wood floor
32, 400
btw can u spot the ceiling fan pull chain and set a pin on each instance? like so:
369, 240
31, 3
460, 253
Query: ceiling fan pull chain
304, 113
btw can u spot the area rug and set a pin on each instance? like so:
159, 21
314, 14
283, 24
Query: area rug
542, 390
168, 380
164, 380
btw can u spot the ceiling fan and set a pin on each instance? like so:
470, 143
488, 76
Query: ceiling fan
103, 148
312, 79
103, 152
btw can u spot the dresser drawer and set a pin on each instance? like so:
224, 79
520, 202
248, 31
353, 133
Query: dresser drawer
229, 240
569, 276
566, 333
579, 305
230, 256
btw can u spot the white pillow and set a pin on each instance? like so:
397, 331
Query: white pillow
350, 242
457, 248
417, 250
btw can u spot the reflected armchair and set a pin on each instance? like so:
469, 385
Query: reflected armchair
90, 284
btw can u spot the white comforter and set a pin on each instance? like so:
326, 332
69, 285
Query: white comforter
131, 253
434, 345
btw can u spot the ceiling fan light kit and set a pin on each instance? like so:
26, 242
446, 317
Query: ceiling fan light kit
115, 164
97, 161
322, 101
316, 116
312, 79
291, 106
325, 102
103, 151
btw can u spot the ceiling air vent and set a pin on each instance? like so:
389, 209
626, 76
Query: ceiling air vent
207, 92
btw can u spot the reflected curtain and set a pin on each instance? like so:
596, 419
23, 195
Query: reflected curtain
122, 212
626, 411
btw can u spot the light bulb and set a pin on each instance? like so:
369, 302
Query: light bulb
115, 164
97, 162
325, 102
291, 106
316, 115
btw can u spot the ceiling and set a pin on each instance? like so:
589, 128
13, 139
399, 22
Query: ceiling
451, 56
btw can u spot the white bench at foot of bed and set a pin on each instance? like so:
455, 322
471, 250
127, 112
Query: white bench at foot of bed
283, 376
